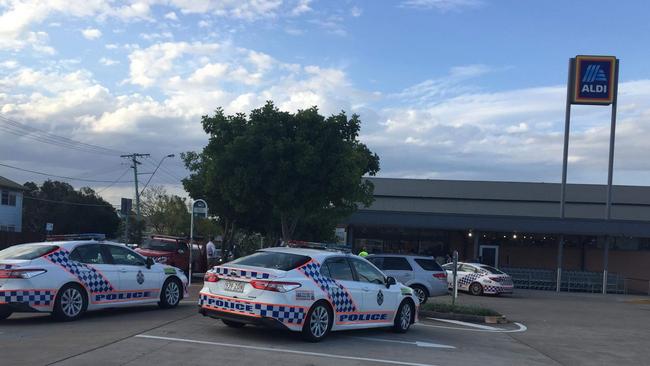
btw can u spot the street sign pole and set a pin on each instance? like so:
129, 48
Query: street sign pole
189, 279
199, 207
455, 278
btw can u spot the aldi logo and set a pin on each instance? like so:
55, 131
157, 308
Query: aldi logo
594, 80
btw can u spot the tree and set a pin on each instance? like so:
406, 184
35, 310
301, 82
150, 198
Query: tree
70, 211
275, 169
166, 214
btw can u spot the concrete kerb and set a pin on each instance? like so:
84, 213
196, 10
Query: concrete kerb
464, 317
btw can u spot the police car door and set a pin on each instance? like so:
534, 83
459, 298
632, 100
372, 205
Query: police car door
137, 282
379, 302
104, 277
348, 297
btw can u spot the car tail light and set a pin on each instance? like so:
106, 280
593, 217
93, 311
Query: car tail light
440, 276
24, 273
275, 286
210, 277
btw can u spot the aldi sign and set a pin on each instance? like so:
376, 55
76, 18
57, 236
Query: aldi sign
594, 80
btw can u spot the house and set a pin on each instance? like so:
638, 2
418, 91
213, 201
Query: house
11, 205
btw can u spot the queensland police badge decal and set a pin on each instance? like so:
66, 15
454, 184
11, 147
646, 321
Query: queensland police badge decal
380, 298
140, 278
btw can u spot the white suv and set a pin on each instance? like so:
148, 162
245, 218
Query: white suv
423, 274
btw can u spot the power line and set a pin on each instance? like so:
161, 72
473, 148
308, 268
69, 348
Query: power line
19, 129
63, 177
67, 202
112, 184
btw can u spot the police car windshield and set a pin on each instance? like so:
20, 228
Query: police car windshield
27, 251
163, 246
274, 260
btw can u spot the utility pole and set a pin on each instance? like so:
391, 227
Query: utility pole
134, 159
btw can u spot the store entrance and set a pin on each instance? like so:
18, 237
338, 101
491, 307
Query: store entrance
489, 255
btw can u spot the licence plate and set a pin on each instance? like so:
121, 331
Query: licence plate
234, 286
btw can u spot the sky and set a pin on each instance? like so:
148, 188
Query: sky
445, 89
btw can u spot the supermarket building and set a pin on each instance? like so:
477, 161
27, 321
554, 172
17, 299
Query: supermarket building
510, 224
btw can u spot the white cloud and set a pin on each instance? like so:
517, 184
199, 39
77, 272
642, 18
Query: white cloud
108, 62
112, 46
356, 11
301, 7
91, 33
171, 16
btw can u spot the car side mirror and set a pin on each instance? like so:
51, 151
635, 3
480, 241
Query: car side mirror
181, 251
390, 281
149, 262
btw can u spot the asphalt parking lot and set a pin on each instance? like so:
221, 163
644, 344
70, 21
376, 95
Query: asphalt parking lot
147, 335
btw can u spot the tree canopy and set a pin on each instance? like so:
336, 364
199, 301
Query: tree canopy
271, 170
70, 211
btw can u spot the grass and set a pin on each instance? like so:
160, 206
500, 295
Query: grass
458, 309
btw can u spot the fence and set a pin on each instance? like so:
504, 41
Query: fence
572, 281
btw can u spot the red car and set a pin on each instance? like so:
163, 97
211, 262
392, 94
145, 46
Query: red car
173, 250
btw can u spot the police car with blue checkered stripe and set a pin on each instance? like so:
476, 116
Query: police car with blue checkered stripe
306, 290
66, 278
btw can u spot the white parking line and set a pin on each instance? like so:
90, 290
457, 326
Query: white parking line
415, 343
520, 328
458, 322
284, 350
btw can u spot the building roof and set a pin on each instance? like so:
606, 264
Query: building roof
506, 206
6, 183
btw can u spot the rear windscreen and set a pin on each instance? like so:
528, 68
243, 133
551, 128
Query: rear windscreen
492, 270
26, 251
428, 264
273, 260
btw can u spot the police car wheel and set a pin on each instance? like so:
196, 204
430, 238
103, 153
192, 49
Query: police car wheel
317, 323
476, 289
421, 293
404, 317
170, 295
5, 312
71, 302
233, 324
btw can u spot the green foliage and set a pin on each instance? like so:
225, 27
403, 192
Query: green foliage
89, 213
271, 171
165, 214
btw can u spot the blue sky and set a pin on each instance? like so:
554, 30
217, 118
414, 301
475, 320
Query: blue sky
449, 89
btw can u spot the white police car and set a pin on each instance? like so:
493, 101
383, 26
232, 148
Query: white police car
306, 290
479, 279
67, 278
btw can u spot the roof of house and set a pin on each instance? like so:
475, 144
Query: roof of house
4, 182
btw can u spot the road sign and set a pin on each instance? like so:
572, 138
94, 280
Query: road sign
126, 205
49, 227
594, 80
200, 208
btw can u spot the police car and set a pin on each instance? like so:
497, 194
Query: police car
66, 278
479, 279
306, 290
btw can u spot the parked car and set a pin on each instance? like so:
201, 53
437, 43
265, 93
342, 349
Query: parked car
66, 278
423, 274
479, 279
174, 251
306, 290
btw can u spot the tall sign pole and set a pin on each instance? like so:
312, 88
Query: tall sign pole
593, 80
565, 159
199, 208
